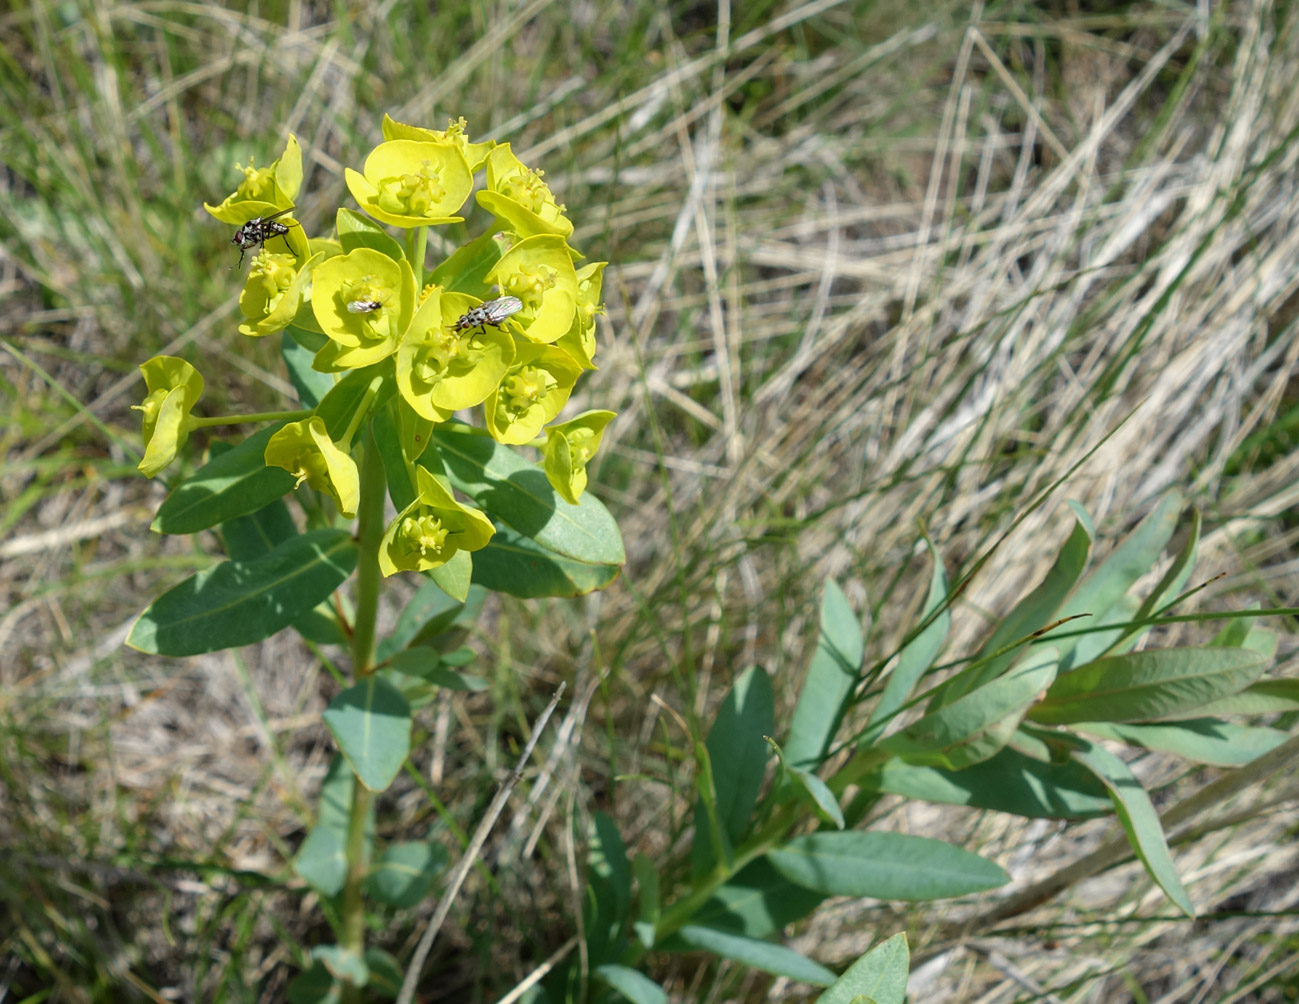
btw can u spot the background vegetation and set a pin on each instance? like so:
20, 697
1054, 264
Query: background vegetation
874, 265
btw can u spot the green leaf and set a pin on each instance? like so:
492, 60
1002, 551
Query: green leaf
385, 972
424, 663
1138, 818
235, 483
371, 724
608, 889
251, 536
1140, 686
831, 675
757, 902
1114, 576
310, 383
241, 602
387, 437
314, 986
519, 566
510, 488
1203, 740
1009, 782
322, 860
915, 659
338, 408
466, 270
880, 975
1261, 698
342, 964
737, 753
884, 866
647, 882
428, 613
976, 726
456, 577
357, 231
1032, 613
634, 986
819, 795
405, 873
758, 954
1171, 584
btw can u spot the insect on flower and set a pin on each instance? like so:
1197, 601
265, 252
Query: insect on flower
493, 312
363, 306
258, 231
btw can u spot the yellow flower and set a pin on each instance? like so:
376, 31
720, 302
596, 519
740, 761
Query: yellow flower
273, 187
274, 292
441, 370
410, 183
305, 450
363, 301
569, 448
539, 271
533, 392
519, 199
174, 388
429, 531
579, 342
452, 135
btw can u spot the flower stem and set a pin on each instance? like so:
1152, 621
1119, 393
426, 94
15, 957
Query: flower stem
261, 416
416, 242
369, 513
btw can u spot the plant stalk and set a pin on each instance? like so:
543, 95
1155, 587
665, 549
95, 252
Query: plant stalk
369, 535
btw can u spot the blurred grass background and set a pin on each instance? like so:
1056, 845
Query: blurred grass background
874, 265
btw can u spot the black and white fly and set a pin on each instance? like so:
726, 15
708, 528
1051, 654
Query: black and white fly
258, 231
363, 306
494, 312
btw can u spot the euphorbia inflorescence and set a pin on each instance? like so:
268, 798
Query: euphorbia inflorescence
396, 338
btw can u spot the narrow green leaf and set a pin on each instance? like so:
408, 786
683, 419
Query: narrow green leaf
1170, 586
371, 724
235, 483
976, 726
1140, 686
758, 902
819, 795
880, 976
510, 488
762, 955
1261, 698
340, 405
1202, 740
1032, 613
884, 866
518, 565
404, 874
342, 964
607, 858
357, 231
634, 986
1009, 782
241, 602
830, 678
608, 890
1138, 817
424, 663
429, 612
387, 437
647, 885
915, 659
310, 383
1114, 576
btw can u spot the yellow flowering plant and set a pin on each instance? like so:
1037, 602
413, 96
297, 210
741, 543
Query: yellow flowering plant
417, 383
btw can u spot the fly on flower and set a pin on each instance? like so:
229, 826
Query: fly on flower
363, 306
258, 231
494, 312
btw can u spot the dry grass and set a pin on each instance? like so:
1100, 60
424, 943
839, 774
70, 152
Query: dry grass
868, 271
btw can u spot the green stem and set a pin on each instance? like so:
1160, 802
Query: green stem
416, 243
369, 536
261, 416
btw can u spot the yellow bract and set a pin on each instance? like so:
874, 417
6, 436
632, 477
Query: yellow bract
569, 448
305, 450
429, 531
174, 388
410, 183
276, 186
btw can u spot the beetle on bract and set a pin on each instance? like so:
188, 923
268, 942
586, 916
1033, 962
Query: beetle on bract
494, 312
258, 231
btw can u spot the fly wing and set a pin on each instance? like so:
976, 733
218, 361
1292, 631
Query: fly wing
499, 309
